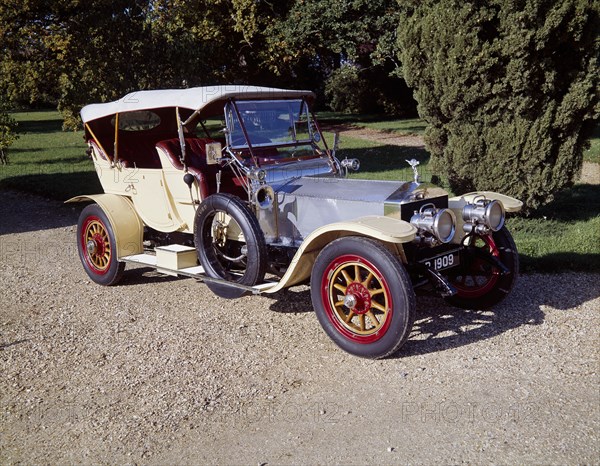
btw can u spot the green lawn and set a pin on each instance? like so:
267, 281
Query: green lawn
408, 126
564, 235
48, 161
383, 162
416, 126
593, 153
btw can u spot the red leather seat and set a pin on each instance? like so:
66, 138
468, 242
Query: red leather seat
205, 174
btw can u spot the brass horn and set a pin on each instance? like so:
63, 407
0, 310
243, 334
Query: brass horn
264, 196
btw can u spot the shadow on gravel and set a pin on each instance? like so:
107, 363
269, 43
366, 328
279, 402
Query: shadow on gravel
144, 276
39, 180
290, 301
440, 327
22, 212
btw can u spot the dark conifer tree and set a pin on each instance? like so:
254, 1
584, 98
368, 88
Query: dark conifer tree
509, 89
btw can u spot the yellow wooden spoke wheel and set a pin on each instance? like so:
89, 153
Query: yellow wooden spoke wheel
363, 296
97, 246
358, 296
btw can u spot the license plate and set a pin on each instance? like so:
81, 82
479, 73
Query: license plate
443, 261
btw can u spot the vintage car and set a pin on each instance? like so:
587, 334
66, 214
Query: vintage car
237, 187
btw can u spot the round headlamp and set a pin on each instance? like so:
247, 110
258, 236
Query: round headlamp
486, 212
444, 225
433, 222
257, 174
264, 196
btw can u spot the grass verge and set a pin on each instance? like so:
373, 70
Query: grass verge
383, 162
593, 153
404, 127
564, 235
47, 161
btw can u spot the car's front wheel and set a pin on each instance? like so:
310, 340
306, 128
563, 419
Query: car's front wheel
479, 282
363, 297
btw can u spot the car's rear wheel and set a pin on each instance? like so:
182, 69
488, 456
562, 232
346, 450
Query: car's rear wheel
230, 244
97, 246
480, 283
363, 297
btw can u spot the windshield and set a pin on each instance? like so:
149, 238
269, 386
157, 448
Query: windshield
269, 123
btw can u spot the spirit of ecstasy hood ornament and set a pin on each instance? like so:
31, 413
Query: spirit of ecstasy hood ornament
413, 163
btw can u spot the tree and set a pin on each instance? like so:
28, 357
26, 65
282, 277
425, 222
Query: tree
8, 134
351, 42
68, 53
348, 92
509, 89
72, 53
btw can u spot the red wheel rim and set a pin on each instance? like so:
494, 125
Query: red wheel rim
95, 245
481, 277
357, 299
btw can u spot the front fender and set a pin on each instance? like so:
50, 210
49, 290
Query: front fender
127, 225
385, 229
510, 203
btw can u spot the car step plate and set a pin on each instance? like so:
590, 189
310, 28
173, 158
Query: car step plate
196, 272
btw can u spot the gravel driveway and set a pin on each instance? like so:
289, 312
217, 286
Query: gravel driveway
160, 371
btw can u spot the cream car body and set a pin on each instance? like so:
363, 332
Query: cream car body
263, 203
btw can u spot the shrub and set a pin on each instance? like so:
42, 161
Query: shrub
348, 92
509, 90
8, 135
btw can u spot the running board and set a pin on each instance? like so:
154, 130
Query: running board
196, 272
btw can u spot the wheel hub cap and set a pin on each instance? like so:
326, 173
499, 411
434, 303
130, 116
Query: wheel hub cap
91, 247
357, 298
96, 246
350, 301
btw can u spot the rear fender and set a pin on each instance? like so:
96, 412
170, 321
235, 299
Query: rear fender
126, 224
391, 232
